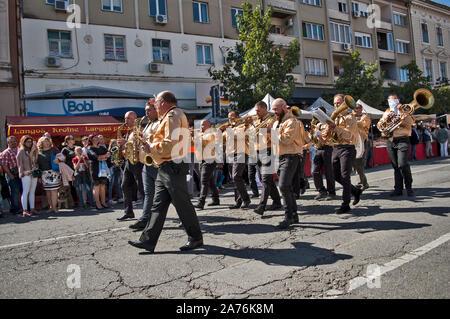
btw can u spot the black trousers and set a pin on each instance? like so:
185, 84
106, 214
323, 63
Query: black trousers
266, 172
132, 175
240, 190
171, 187
343, 156
398, 150
252, 170
322, 160
288, 165
207, 181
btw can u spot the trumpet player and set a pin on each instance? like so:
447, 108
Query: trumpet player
237, 151
132, 173
322, 160
398, 146
206, 154
149, 172
290, 148
170, 185
264, 159
344, 152
363, 123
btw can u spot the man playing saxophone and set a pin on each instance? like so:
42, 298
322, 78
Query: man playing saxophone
132, 173
263, 126
344, 129
363, 122
149, 172
398, 145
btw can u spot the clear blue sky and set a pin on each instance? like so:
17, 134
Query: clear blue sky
446, 2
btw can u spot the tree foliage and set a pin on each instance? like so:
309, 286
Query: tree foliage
256, 66
442, 101
360, 80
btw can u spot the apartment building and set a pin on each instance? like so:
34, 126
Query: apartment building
431, 28
9, 64
127, 50
124, 50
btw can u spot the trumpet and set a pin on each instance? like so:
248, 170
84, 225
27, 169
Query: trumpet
236, 121
263, 124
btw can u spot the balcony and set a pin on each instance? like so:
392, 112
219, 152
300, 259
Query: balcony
386, 55
279, 39
282, 8
335, 14
385, 24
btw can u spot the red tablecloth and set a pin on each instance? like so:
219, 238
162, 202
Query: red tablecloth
382, 156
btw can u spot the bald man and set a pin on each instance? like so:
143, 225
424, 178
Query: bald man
132, 173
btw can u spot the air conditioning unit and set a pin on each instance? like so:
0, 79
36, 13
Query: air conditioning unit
61, 5
53, 61
356, 14
161, 19
290, 23
345, 46
154, 67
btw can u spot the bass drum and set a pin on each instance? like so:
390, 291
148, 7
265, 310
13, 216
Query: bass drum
359, 147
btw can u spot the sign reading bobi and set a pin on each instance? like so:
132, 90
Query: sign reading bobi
85, 106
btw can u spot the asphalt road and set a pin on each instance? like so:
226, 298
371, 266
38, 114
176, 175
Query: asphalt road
386, 248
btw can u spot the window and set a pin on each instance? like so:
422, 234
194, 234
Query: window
439, 37
363, 40
234, 14
403, 47
404, 75
429, 69
443, 71
112, 5
204, 54
313, 31
161, 51
115, 47
275, 29
400, 19
361, 8
343, 7
200, 12
425, 38
52, 2
317, 3
390, 42
60, 43
316, 67
340, 33
157, 7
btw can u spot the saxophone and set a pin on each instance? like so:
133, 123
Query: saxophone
143, 157
116, 153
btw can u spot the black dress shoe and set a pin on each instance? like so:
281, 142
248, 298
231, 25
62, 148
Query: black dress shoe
255, 195
285, 223
199, 205
236, 206
357, 196
396, 193
246, 205
125, 217
410, 193
192, 244
321, 196
275, 206
140, 225
295, 219
142, 245
331, 197
259, 211
342, 210
214, 203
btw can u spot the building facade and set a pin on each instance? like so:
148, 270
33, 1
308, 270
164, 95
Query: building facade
141, 47
431, 27
9, 64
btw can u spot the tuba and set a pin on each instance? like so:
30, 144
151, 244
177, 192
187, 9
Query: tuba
349, 103
423, 98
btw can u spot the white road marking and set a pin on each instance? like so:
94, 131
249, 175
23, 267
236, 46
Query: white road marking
394, 264
125, 228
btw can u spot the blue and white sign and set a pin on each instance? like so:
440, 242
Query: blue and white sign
88, 106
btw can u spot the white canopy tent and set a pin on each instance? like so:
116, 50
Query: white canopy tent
373, 112
321, 102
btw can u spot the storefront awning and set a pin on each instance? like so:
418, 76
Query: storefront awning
36, 126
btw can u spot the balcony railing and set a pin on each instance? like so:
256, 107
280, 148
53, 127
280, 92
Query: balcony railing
279, 39
335, 14
288, 5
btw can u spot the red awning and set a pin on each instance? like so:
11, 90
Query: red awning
36, 126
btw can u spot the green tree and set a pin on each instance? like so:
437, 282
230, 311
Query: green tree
256, 66
442, 101
416, 80
360, 80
